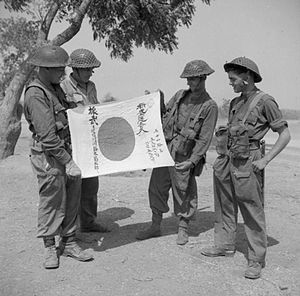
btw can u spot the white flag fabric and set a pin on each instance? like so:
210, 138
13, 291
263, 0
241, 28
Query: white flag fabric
118, 137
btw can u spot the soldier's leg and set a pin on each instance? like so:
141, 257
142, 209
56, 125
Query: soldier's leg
88, 206
225, 211
72, 203
249, 196
68, 244
158, 191
52, 193
184, 189
88, 201
50, 215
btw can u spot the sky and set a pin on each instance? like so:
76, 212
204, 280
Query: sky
266, 31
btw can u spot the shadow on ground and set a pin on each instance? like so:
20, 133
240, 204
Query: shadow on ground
123, 235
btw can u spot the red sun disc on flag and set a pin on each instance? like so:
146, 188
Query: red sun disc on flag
116, 138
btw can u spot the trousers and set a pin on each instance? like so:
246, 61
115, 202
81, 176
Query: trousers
184, 190
59, 196
236, 186
88, 201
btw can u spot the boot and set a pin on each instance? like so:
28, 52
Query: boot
253, 270
216, 251
51, 257
70, 248
153, 230
182, 237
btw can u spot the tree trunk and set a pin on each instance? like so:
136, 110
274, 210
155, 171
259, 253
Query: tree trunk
11, 112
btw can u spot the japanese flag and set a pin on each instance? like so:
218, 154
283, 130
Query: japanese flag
117, 137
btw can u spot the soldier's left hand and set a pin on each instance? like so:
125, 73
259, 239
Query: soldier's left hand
259, 165
184, 166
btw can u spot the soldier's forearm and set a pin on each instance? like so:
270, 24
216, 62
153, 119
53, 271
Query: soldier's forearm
282, 141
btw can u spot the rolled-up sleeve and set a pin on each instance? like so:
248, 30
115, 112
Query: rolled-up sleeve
274, 116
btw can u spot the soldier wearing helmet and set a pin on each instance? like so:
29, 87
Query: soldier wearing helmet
80, 90
188, 125
58, 176
239, 168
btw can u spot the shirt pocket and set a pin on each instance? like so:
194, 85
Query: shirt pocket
44, 165
252, 119
196, 124
241, 175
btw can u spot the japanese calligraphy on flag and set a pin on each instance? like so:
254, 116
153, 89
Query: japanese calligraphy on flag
118, 137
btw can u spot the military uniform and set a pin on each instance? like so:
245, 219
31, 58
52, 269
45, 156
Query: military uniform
82, 95
188, 129
58, 176
237, 179
44, 110
236, 184
90, 186
188, 126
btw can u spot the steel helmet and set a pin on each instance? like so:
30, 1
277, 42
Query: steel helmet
50, 56
196, 68
243, 62
83, 58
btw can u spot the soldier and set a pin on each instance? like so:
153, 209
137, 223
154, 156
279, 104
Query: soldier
58, 176
188, 126
238, 170
82, 91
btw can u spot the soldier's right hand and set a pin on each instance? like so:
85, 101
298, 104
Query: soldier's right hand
72, 170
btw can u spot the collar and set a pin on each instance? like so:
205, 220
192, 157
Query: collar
198, 97
48, 86
249, 94
77, 84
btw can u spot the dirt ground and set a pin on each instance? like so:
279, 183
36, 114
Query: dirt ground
126, 267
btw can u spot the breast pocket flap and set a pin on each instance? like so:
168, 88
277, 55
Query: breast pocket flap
240, 175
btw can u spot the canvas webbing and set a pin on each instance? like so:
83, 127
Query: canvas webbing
252, 105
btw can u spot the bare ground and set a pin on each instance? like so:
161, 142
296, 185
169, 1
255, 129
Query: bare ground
126, 267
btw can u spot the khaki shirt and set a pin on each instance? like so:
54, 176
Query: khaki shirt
265, 115
75, 93
40, 115
205, 123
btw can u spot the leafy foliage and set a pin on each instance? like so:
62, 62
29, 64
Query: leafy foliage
121, 24
124, 24
16, 5
152, 24
18, 37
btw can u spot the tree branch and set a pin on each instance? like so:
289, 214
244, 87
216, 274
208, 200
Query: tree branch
47, 22
75, 25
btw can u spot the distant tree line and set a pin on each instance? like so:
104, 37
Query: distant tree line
108, 98
290, 114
